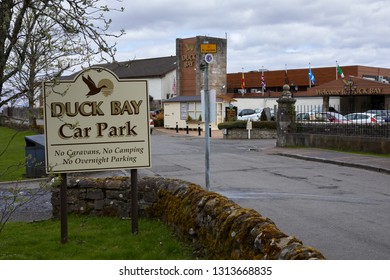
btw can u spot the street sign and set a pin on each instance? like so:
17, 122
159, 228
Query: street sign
209, 58
96, 122
208, 48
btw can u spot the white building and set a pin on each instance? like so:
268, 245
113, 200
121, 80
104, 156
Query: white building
159, 72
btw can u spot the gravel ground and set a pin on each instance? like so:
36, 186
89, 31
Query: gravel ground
39, 205
36, 204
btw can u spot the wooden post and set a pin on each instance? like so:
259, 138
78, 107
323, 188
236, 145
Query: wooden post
134, 201
64, 208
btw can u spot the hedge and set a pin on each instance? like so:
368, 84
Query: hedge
242, 124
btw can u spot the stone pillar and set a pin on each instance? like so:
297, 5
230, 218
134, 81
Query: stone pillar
325, 103
285, 116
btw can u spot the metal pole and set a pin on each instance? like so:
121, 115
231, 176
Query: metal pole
206, 125
134, 201
64, 209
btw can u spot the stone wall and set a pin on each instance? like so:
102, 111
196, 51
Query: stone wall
256, 133
374, 145
211, 222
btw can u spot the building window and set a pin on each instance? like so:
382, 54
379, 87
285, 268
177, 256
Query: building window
190, 109
183, 110
194, 110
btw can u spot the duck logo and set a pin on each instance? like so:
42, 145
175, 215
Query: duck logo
105, 86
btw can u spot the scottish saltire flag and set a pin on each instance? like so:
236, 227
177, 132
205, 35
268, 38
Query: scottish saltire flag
311, 77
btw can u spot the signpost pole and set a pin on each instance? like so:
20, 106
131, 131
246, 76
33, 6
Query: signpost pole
206, 124
64, 209
134, 201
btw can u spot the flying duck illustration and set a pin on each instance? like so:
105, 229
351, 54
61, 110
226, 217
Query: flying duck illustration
93, 89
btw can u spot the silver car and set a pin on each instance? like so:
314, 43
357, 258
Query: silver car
363, 118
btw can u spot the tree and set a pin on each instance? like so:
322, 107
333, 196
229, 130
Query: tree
40, 39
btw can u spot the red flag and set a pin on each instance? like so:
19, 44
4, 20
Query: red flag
174, 86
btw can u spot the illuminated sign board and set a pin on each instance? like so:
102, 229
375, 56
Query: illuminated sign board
96, 122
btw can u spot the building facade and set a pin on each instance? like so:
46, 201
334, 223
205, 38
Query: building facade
362, 88
189, 55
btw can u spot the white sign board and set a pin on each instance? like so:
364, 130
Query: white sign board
96, 122
212, 103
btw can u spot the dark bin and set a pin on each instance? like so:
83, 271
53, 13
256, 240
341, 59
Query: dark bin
35, 156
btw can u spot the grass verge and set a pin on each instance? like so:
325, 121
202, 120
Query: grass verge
91, 238
12, 154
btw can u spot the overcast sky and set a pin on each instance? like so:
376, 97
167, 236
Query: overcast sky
261, 33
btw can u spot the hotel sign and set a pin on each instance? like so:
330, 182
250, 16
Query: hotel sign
96, 122
358, 91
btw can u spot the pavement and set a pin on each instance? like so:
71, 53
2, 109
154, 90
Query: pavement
368, 162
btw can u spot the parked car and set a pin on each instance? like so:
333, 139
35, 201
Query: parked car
379, 112
337, 117
306, 116
151, 125
321, 117
249, 114
363, 118
383, 115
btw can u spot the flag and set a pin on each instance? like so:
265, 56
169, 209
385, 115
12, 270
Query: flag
286, 80
312, 79
174, 86
263, 85
340, 72
243, 81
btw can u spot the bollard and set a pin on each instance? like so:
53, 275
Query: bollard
210, 130
187, 128
249, 128
177, 127
199, 133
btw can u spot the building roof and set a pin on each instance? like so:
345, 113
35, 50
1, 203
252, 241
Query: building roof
184, 98
300, 76
197, 98
140, 68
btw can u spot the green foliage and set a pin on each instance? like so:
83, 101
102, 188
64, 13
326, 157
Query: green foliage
91, 238
159, 120
12, 154
242, 124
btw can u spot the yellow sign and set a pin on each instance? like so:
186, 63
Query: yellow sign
96, 122
208, 48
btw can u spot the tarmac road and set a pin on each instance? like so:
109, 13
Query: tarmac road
340, 210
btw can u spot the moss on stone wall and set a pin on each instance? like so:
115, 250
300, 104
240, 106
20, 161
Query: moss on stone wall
224, 229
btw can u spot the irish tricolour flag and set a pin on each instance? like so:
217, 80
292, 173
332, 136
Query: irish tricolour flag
340, 71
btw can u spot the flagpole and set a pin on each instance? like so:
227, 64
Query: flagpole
262, 77
309, 76
337, 77
242, 82
286, 80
